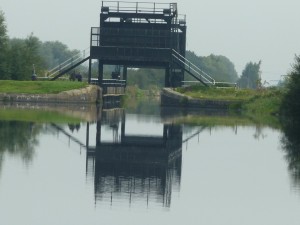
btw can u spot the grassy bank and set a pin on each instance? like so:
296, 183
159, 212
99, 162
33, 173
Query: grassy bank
252, 102
264, 102
38, 87
211, 93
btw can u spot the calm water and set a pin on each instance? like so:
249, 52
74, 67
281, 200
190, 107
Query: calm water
136, 167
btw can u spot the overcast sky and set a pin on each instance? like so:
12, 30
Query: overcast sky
243, 31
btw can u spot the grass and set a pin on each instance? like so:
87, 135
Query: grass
212, 93
254, 101
265, 102
38, 116
38, 87
134, 92
260, 106
264, 107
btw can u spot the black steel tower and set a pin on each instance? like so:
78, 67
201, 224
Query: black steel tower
139, 34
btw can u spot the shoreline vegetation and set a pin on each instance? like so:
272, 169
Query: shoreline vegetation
49, 92
264, 101
258, 106
38, 87
49, 113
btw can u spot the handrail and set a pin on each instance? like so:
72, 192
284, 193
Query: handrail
108, 82
62, 66
230, 84
58, 66
139, 7
208, 79
69, 62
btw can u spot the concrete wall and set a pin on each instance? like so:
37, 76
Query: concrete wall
90, 94
170, 97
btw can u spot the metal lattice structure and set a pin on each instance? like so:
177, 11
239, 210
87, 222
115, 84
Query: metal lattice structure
140, 34
137, 34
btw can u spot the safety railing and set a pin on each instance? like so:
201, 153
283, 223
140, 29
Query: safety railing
222, 85
226, 84
110, 82
192, 68
139, 7
180, 20
68, 63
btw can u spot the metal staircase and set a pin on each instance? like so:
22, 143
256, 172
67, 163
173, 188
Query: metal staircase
69, 64
192, 69
177, 59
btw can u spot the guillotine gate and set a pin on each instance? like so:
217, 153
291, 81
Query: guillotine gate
137, 35
140, 35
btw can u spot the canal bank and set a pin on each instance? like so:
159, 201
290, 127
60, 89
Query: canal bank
169, 97
87, 95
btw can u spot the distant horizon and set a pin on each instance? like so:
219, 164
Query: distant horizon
243, 32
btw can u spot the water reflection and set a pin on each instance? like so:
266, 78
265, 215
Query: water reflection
138, 169
74, 127
291, 145
132, 174
18, 138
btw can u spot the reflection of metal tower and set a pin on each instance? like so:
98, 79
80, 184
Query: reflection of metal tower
115, 128
136, 167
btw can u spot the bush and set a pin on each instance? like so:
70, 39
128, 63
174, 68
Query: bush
290, 107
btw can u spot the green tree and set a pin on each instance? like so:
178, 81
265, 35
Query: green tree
290, 118
3, 47
290, 107
22, 55
146, 78
15, 58
54, 53
217, 66
32, 57
250, 76
18, 139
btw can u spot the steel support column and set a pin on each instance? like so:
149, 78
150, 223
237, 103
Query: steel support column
100, 73
125, 74
167, 77
90, 71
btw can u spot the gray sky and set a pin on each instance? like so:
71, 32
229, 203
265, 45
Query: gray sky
241, 30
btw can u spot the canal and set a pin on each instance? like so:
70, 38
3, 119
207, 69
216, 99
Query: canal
148, 165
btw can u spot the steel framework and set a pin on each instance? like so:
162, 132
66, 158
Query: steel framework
139, 34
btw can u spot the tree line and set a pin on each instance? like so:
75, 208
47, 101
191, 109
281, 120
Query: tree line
290, 118
17, 56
